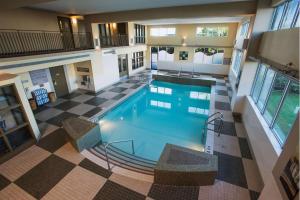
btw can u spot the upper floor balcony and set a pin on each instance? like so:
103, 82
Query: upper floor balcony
34, 42
114, 41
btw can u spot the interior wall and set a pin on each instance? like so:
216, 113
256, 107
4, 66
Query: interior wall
281, 46
29, 19
29, 87
207, 10
189, 31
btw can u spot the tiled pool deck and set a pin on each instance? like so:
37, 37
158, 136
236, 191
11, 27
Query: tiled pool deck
52, 169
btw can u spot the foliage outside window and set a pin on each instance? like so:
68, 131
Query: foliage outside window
212, 31
277, 97
137, 59
286, 15
139, 33
237, 60
206, 55
159, 32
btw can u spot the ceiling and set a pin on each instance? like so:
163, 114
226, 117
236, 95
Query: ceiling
84, 7
191, 20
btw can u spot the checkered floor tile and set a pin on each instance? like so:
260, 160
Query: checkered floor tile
52, 169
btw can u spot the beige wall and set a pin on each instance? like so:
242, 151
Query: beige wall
189, 31
281, 46
208, 10
29, 19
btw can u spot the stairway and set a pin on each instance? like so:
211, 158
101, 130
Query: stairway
125, 160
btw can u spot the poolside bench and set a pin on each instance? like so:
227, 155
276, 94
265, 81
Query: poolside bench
83, 134
185, 167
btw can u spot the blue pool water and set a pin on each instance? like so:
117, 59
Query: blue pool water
159, 113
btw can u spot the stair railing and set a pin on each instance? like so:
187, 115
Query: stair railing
114, 142
212, 120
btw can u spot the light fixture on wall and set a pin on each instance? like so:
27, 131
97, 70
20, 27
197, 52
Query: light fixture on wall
183, 41
114, 25
74, 20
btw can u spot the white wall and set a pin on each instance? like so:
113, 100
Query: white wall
29, 87
71, 77
264, 144
105, 69
190, 67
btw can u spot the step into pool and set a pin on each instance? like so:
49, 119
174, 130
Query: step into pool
157, 114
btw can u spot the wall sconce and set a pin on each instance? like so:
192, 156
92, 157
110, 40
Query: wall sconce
183, 41
114, 25
74, 20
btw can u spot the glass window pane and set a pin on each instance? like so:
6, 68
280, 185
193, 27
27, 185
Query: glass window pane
290, 13
277, 17
259, 81
279, 85
298, 21
265, 89
287, 113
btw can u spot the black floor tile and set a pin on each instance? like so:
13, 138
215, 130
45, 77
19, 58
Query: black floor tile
57, 120
71, 96
220, 84
133, 81
92, 112
96, 101
135, 86
231, 170
163, 192
43, 177
228, 128
245, 150
89, 165
95, 93
40, 109
54, 141
113, 191
119, 96
118, 89
3, 182
67, 105
254, 195
222, 92
222, 105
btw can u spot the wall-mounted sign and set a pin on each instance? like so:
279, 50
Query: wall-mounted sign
38, 77
83, 69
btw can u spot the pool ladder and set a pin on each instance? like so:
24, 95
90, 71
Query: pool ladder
212, 120
114, 142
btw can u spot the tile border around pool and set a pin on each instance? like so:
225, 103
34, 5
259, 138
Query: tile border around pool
209, 144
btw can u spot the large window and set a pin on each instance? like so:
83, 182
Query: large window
137, 59
212, 31
208, 56
139, 34
285, 15
158, 32
237, 60
244, 29
277, 97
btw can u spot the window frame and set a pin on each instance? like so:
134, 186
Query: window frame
282, 17
216, 27
235, 60
162, 35
290, 80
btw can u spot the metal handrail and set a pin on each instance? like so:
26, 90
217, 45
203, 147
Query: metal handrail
211, 121
114, 142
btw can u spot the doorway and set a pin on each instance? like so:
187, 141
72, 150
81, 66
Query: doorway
59, 81
154, 57
65, 29
123, 65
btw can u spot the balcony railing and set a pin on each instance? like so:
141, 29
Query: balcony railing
114, 41
22, 42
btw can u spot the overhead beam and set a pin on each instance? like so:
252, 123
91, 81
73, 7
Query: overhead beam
208, 10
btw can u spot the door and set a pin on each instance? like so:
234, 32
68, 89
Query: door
59, 81
65, 28
154, 57
123, 65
